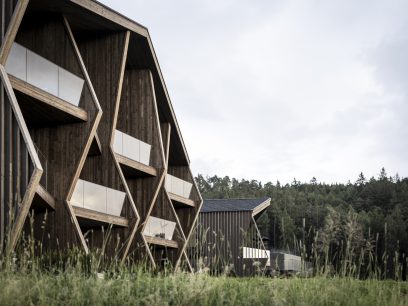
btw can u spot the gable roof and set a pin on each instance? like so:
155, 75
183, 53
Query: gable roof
227, 205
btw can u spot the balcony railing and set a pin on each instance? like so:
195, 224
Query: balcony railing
40, 72
178, 186
255, 253
98, 198
131, 147
160, 228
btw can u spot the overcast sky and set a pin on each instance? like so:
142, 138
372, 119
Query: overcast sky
272, 90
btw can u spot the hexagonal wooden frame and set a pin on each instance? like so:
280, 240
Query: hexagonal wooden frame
165, 125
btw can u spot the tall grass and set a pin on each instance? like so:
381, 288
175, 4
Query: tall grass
34, 276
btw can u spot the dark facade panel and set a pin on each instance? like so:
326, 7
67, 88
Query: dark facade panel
224, 240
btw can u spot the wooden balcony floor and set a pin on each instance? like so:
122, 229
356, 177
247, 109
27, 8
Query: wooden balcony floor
180, 202
161, 242
134, 169
93, 219
43, 109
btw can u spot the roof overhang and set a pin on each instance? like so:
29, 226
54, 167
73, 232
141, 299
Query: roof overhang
261, 207
90, 15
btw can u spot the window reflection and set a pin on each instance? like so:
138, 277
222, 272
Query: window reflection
34, 69
178, 186
131, 147
99, 198
157, 227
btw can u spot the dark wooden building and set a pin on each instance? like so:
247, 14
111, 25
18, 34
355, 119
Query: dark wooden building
227, 239
89, 141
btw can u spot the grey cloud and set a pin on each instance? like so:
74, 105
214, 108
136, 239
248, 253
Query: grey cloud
281, 89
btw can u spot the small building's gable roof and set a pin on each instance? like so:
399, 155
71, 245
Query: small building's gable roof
227, 205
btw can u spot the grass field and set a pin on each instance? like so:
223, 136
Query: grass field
140, 288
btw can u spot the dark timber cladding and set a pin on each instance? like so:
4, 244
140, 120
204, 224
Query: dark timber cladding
227, 237
88, 135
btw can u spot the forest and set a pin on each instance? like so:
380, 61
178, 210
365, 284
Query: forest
359, 228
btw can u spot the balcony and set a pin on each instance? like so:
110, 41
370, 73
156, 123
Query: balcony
133, 155
160, 232
253, 253
179, 191
95, 204
37, 79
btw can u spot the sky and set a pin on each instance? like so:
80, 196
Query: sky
277, 90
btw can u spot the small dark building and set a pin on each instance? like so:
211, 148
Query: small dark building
227, 237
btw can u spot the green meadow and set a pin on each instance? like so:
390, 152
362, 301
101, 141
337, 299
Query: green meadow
142, 288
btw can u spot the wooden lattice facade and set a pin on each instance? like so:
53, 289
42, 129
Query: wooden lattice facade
89, 140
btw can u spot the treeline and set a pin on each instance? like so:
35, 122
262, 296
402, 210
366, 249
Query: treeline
361, 225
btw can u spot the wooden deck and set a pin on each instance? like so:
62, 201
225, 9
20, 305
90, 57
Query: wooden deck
161, 242
45, 106
179, 201
98, 218
132, 168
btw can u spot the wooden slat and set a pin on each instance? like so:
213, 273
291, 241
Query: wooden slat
48, 98
12, 29
156, 113
112, 135
144, 169
181, 200
161, 241
91, 135
100, 9
37, 172
100, 217
261, 207
197, 213
166, 132
46, 197
120, 87
81, 64
20, 118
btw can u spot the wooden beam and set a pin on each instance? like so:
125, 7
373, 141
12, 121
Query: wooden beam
183, 236
24, 209
20, 118
197, 213
152, 202
120, 87
261, 207
258, 233
108, 13
91, 135
81, 64
156, 112
46, 197
12, 29
47, 98
182, 200
112, 135
188, 261
141, 168
162, 242
37, 172
166, 130
100, 217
